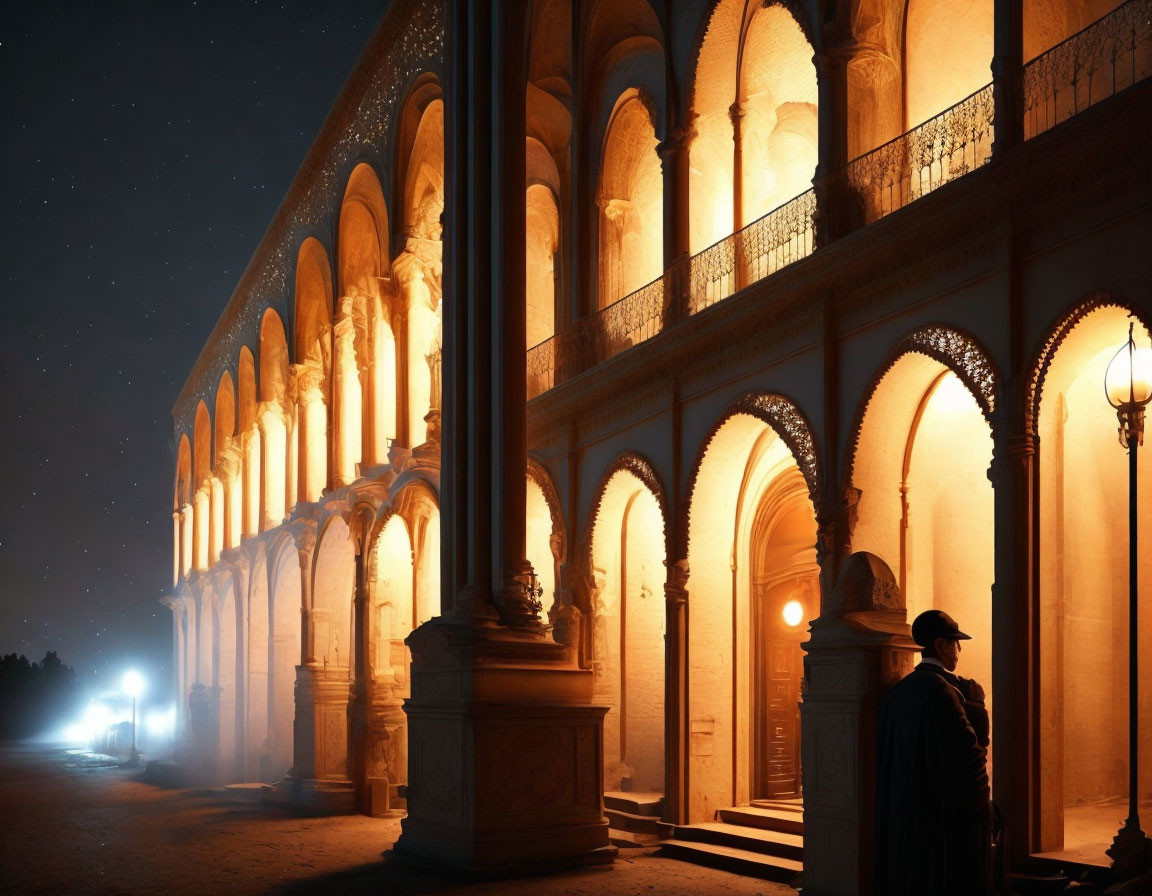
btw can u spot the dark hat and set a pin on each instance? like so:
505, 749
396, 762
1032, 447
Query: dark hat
933, 624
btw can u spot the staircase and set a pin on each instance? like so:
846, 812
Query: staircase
763, 840
634, 818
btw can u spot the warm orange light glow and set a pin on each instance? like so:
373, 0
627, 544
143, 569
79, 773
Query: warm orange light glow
631, 199
1128, 380
793, 613
948, 54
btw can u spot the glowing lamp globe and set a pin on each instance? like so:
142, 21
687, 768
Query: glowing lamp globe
793, 613
132, 683
1128, 381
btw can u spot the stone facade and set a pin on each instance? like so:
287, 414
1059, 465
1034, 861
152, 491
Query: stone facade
673, 547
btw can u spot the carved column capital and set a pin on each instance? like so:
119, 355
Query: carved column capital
676, 585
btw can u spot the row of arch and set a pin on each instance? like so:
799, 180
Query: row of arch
356, 374
274, 635
921, 479
743, 554
322, 397
748, 132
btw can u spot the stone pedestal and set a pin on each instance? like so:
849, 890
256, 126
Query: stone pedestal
505, 765
320, 759
858, 648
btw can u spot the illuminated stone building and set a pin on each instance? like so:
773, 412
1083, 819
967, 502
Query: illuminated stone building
788, 322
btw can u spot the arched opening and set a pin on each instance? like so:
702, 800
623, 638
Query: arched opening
754, 584
947, 54
1083, 612
627, 554
285, 607
756, 128
539, 545
313, 357
543, 242
426, 551
926, 504
331, 647
181, 505
257, 643
250, 442
273, 418
367, 298
393, 616
202, 488
228, 462
631, 201
419, 268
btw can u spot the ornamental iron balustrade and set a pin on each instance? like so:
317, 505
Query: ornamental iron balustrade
956, 141
770, 243
1111, 54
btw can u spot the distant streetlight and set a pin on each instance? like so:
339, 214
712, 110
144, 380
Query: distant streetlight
1128, 385
133, 685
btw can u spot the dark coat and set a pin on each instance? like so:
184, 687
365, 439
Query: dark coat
932, 800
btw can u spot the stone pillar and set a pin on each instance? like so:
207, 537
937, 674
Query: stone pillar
859, 646
1015, 636
504, 746
675, 164
835, 215
736, 113
177, 569
178, 690
676, 694
346, 398
1008, 76
419, 325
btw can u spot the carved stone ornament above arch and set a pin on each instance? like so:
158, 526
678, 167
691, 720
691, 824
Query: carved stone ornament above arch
538, 473
640, 467
1054, 338
786, 420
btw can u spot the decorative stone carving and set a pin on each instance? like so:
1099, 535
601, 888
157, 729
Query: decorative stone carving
867, 583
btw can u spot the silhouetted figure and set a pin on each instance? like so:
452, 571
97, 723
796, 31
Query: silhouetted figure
932, 802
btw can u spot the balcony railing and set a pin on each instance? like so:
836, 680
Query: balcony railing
1103, 59
946, 147
770, 243
781, 237
1092, 65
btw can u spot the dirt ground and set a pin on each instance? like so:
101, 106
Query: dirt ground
78, 824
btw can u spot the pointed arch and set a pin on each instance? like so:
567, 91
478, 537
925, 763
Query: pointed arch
225, 415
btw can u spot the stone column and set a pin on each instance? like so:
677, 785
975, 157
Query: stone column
1015, 636
834, 201
504, 761
675, 164
1008, 76
416, 300
176, 605
676, 694
177, 568
346, 398
859, 646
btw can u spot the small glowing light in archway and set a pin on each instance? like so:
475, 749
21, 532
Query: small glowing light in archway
793, 613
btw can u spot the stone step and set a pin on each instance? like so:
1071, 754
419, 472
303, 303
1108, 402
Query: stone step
636, 824
738, 861
630, 839
796, 807
768, 843
785, 820
634, 803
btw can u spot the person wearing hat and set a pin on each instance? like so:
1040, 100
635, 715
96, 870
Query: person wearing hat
933, 816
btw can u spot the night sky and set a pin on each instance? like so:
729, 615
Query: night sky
145, 148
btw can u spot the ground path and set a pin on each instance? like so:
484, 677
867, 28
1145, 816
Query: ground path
71, 823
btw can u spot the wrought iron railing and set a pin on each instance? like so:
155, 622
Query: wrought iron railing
1103, 59
781, 237
956, 141
596, 338
1106, 57
770, 243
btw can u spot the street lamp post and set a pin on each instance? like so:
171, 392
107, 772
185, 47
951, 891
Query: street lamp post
133, 685
1128, 384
